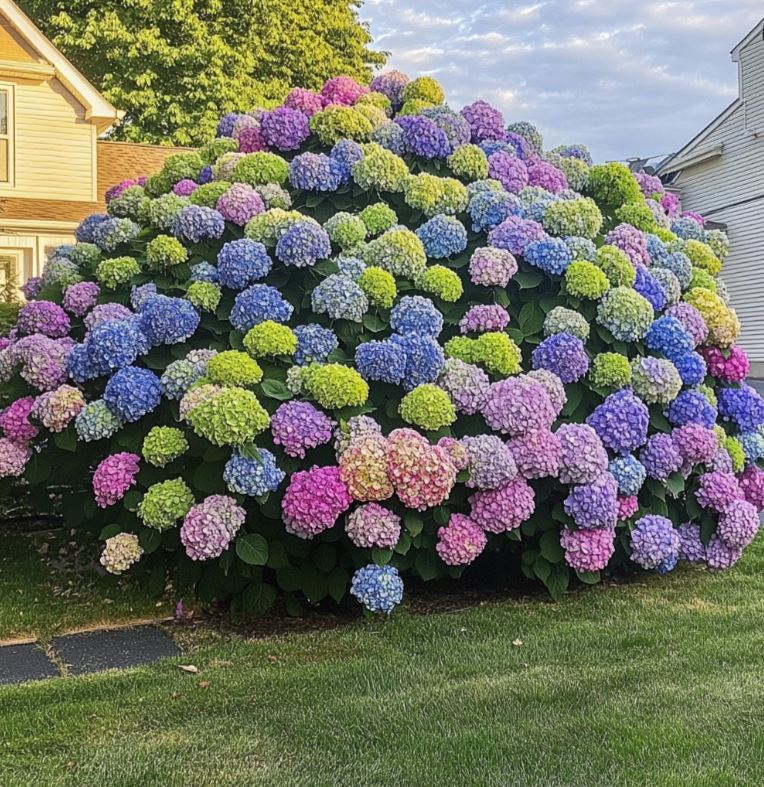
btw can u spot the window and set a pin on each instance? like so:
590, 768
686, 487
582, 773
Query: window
6, 134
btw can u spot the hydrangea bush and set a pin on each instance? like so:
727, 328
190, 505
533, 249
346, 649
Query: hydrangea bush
364, 336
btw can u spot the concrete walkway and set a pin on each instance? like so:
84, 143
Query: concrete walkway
84, 653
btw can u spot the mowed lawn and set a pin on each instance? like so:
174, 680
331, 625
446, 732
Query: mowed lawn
658, 681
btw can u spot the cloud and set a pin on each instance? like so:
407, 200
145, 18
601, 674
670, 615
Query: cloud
627, 78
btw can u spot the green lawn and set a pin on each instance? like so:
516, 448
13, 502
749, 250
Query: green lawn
654, 682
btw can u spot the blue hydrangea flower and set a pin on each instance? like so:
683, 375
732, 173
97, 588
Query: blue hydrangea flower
424, 359
491, 146
343, 155
259, 303
551, 256
178, 377
743, 406
378, 588
114, 344
79, 365
669, 564
205, 175
488, 209
96, 422
649, 288
417, 316
167, 320
687, 228
242, 262
111, 233
668, 336
253, 477
629, 474
86, 228
390, 136
132, 392
656, 248
452, 124
139, 295
691, 407
423, 138
384, 361
314, 344
442, 236
679, 264
314, 172
621, 422
339, 297
581, 248
753, 446
564, 355
226, 124
204, 271
691, 368
351, 267
303, 244
197, 223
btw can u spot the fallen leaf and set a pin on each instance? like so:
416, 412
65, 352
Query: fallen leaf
188, 668
517, 642
272, 659
203, 684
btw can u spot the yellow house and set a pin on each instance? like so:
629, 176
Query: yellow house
54, 169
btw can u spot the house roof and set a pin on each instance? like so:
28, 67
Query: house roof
757, 30
117, 161
97, 109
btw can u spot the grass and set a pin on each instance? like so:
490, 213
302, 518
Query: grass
48, 585
8, 314
653, 682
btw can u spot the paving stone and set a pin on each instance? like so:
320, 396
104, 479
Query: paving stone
94, 651
21, 663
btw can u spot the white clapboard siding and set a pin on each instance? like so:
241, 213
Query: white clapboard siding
752, 82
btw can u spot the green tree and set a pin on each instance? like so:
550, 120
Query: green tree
175, 66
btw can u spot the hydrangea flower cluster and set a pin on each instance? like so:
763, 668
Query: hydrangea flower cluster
490, 334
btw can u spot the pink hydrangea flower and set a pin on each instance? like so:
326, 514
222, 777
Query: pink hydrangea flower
14, 420
210, 526
342, 90
57, 409
518, 405
751, 482
461, 541
738, 524
695, 443
717, 490
627, 507
113, 477
373, 525
240, 203
588, 549
536, 453
313, 501
733, 369
363, 468
13, 457
503, 509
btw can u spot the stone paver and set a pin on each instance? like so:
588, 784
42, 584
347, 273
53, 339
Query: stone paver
22, 663
94, 651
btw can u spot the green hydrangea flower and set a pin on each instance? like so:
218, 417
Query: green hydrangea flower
709, 393
702, 256
468, 162
665, 234
585, 280
612, 184
234, 368
259, 168
610, 370
496, 352
398, 251
638, 214
132, 203
205, 295
576, 172
625, 313
86, 255
162, 211
165, 251
270, 338
208, 194
345, 230
380, 170
616, 265
267, 226
233, 416
117, 271
428, 407
163, 444
335, 386
579, 217
182, 166
374, 115
734, 448
336, 122
165, 503
424, 89
274, 196
443, 282
379, 286
378, 218
414, 106
212, 151
432, 194
718, 242
671, 286
562, 320
378, 100
158, 184
652, 386
701, 278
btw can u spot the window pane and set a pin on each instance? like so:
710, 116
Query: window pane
4, 112
3, 160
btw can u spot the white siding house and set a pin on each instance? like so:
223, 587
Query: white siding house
720, 173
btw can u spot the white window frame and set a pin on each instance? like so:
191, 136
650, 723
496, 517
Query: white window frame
9, 88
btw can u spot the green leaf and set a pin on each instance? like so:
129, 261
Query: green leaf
531, 318
381, 556
109, 531
542, 569
374, 323
275, 389
131, 500
252, 549
427, 565
338, 584
557, 582
528, 280
258, 598
37, 470
549, 543
675, 484
150, 540
66, 440
589, 577
441, 515
324, 557
413, 524
289, 579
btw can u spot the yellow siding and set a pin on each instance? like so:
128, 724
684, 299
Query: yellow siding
54, 145
11, 48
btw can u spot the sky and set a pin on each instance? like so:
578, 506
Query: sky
625, 77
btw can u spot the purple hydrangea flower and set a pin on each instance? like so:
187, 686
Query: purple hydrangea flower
621, 422
653, 541
563, 355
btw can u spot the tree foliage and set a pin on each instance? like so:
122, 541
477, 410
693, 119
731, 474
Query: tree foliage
175, 66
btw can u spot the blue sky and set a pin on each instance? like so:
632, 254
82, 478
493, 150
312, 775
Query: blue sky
625, 77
